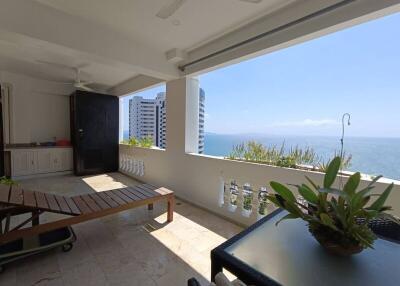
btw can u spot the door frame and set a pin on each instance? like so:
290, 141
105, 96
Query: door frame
2, 165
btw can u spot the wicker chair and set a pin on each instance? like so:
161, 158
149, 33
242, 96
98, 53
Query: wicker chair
385, 229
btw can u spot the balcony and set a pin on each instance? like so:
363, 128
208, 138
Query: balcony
148, 47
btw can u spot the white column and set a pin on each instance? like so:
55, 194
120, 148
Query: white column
182, 115
121, 120
192, 116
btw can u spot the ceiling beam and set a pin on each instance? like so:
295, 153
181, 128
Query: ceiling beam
135, 84
209, 56
32, 22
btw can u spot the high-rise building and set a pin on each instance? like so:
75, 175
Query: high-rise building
142, 117
202, 98
147, 118
161, 119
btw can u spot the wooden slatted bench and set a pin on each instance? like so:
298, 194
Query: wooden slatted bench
16, 200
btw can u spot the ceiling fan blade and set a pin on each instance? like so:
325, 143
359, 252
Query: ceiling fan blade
55, 64
50, 93
83, 86
168, 10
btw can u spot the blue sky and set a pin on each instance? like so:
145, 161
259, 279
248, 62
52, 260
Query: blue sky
306, 88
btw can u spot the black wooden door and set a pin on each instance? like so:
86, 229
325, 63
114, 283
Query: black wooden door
1, 137
94, 132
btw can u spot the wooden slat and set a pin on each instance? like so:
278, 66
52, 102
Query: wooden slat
107, 199
123, 196
16, 195
116, 198
29, 199
130, 194
138, 192
84, 217
51, 200
91, 203
147, 192
81, 205
41, 200
63, 204
72, 206
99, 201
4, 193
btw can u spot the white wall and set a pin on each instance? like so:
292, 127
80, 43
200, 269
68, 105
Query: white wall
39, 109
196, 178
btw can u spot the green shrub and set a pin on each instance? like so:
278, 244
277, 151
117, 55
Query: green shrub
253, 151
146, 142
6, 181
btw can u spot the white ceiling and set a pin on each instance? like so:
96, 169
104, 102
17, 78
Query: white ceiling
25, 59
118, 40
194, 23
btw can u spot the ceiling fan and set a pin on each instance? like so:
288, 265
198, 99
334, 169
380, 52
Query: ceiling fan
168, 10
78, 82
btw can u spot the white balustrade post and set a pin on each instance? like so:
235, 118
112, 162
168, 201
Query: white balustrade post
141, 168
227, 195
221, 192
255, 204
240, 199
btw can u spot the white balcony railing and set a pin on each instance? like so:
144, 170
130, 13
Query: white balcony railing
129, 165
232, 189
244, 199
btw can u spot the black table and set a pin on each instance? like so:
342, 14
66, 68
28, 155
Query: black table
287, 254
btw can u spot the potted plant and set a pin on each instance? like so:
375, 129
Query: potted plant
6, 181
337, 218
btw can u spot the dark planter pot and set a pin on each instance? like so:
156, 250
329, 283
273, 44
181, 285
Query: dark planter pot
334, 242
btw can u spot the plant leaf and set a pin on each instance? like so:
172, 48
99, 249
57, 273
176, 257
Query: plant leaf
332, 172
380, 201
288, 216
328, 221
283, 191
307, 194
352, 183
312, 183
293, 208
334, 192
275, 201
358, 200
374, 180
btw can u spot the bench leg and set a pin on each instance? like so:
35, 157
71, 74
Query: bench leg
150, 207
35, 218
171, 203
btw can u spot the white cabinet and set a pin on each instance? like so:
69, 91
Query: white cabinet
23, 162
27, 162
43, 161
62, 159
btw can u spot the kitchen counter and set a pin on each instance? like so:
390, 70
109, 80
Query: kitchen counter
10, 147
26, 160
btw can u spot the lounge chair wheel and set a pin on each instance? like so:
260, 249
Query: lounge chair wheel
67, 247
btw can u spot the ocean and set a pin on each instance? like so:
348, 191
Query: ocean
374, 156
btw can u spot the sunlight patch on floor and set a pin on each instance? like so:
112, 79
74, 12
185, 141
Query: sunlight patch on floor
104, 182
189, 240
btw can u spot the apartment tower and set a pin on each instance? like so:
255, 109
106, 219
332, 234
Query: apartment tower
147, 118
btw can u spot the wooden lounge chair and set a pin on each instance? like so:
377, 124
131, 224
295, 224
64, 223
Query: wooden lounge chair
15, 200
